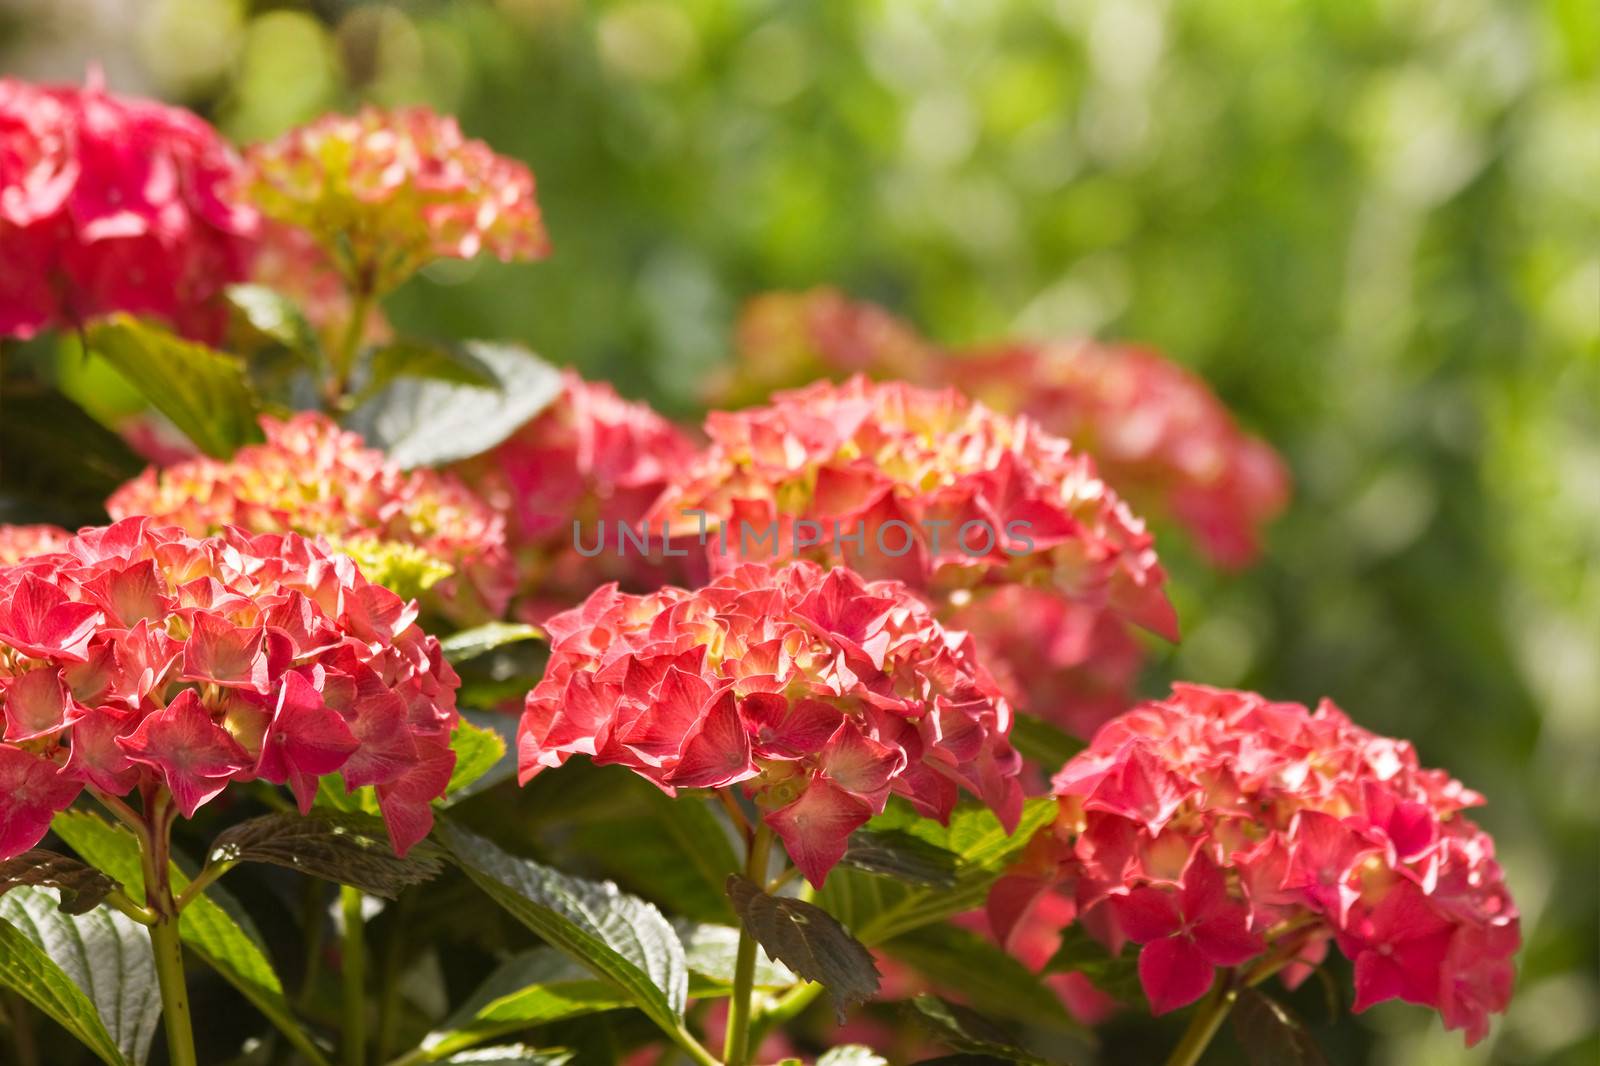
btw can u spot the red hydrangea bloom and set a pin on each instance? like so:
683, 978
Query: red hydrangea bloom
20, 542
786, 339
1157, 430
385, 191
592, 459
407, 529
946, 494
141, 657
114, 204
1217, 828
818, 693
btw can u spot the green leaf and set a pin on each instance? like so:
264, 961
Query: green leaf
420, 359
985, 975
903, 856
965, 1030
205, 392
347, 848
57, 460
425, 423
102, 956
712, 952
82, 887
851, 1055
1042, 742
1270, 1034
533, 988
481, 755
617, 936
808, 940
880, 908
1115, 975
262, 317
219, 934
480, 640
512, 1055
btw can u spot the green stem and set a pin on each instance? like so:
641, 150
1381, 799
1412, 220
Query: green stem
345, 357
1208, 1018
165, 943
203, 881
353, 969
389, 978
735, 1048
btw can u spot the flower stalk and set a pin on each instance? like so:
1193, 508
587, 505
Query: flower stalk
353, 970
1208, 1018
735, 1048
155, 853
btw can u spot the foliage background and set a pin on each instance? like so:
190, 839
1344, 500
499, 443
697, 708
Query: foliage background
1371, 224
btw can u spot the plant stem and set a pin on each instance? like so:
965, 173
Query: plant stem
344, 358
1208, 1018
165, 943
735, 1048
23, 1040
353, 969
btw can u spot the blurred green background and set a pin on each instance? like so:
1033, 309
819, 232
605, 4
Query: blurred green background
1373, 225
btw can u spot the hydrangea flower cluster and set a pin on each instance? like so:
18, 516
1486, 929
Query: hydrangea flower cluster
785, 339
818, 693
590, 458
1158, 432
411, 530
114, 204
141, 657
386, 191
21, 542
1220, 829
920, 485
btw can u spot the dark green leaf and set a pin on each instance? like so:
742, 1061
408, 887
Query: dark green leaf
967, 1031
1115, 975
82, 887
986, 977
205, 392
471, 643
1270, 1034
345, 847
808, 940
216, 931
880, 908
57, 460
103, 957
712, 951
423, 423
481, 755
903, 856
1042, 742
617, 936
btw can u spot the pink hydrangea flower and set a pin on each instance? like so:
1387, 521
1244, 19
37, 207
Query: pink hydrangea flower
1159, 433
406, 528
20, 542
819, 694
140, 657
591, 460
386, 191
1217, 828
114, 204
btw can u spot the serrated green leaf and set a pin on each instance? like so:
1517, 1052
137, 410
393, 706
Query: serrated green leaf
204, 392
347, 848
263, 317
481, 755
1115, 975
82, 887
224, 941
421, 359
903, 856
808, 940
425, 423
986, 976
511, 1055
619, 937
967, 1031
58, 464
103, 955
880, 908
1042, 742
479, 640
712, 952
